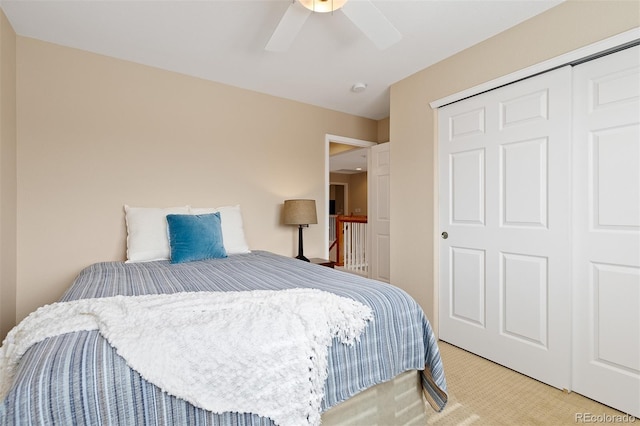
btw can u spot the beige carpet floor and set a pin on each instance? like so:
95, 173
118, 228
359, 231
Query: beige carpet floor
484, 393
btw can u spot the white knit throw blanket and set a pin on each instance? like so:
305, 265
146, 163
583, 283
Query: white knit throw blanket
262, 352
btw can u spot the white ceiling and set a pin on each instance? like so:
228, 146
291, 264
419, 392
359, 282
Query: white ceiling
223, 41
349, 162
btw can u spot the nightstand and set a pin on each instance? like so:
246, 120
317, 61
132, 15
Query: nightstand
323, 262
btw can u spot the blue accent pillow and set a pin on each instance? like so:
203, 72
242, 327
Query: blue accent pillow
195, 237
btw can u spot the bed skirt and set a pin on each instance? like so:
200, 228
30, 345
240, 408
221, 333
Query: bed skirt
399, 401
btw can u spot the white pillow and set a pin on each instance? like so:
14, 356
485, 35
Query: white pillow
232, 227
147, 237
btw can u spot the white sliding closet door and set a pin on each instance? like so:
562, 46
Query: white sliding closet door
505, 266
606, 273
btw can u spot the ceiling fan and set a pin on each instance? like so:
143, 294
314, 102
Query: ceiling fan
362, 13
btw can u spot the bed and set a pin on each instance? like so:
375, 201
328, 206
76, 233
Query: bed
77, 376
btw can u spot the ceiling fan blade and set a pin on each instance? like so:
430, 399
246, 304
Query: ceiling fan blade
288, 28
372, 22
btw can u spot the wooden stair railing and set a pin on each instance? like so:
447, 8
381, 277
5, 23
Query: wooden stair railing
339, 241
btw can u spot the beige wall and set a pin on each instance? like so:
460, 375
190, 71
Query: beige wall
7, 175
337, 148
357, 186
96, 133
569, 26
358, 194
383, 130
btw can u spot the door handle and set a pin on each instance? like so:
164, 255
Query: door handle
445, 235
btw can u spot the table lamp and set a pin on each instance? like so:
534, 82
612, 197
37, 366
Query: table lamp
301, 213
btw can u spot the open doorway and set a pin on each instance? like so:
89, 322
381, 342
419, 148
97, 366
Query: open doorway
338, 199
346, 180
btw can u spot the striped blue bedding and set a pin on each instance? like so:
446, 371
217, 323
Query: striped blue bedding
77, 378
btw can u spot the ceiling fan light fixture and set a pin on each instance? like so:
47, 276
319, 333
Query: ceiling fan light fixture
322, 6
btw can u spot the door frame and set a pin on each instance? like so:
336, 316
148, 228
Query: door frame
328, 138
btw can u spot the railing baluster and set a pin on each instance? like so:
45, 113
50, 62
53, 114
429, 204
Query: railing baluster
352, 240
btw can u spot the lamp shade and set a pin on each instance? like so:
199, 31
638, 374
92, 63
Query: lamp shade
300, 212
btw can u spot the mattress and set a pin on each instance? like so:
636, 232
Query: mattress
78, 378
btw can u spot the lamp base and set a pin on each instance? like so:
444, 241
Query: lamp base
300, 248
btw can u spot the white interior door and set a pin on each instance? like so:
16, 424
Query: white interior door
505, 268
606, 158
379, 208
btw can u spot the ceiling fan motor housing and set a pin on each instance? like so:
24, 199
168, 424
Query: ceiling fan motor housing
322, 6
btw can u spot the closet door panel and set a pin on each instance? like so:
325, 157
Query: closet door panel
615, 174
523, 177
505, 288
606, 228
